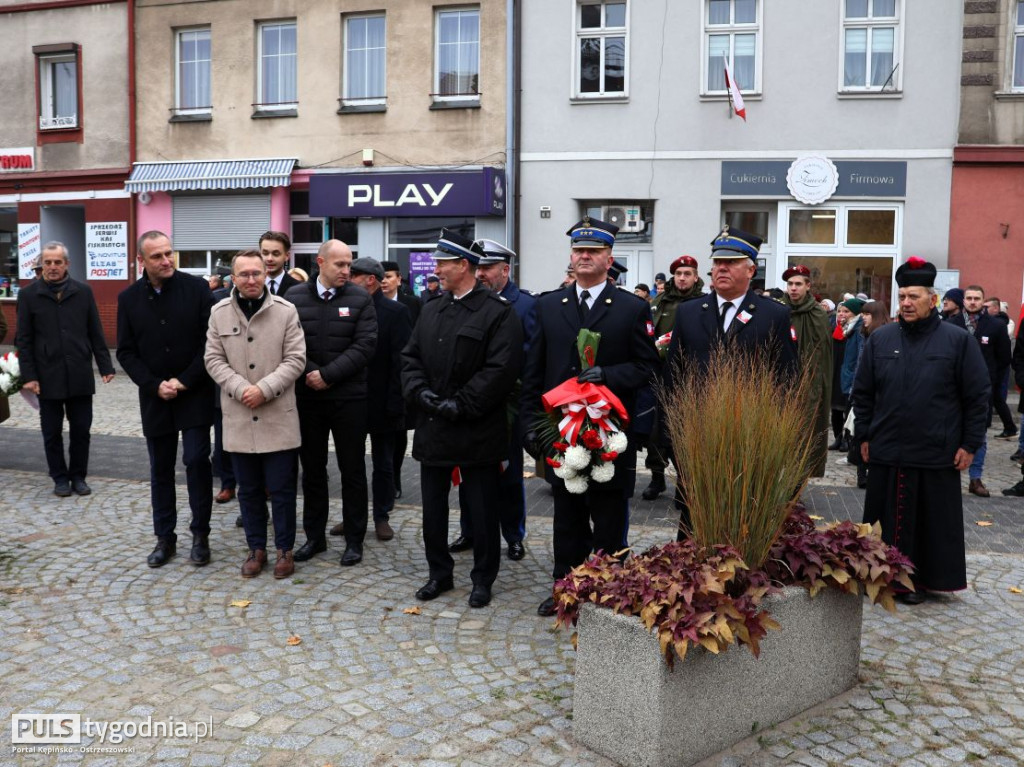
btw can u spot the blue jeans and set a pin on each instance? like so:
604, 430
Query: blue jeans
978, 464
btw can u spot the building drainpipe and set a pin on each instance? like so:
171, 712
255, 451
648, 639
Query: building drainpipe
131, 130
512, 129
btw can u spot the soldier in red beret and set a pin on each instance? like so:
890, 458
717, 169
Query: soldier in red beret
810, 327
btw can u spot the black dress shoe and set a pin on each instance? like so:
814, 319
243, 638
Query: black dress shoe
656, 488
480, 596
165, 549
79, 486
238, 521
433, 589
308, 550
835, 445
910, 597
200, 554
353, 555
62, 488
516, 551
547, 608
462, 543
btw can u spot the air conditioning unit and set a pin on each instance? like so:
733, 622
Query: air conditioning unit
626, 217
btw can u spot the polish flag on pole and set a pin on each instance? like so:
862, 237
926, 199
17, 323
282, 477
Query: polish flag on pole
734, 92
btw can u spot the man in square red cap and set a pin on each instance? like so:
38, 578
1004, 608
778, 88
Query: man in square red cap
814, 343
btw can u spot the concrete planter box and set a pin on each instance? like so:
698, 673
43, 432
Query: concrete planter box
628, 706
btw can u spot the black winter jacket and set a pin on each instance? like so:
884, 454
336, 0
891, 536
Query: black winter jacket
162, 336
385, 402
341, 336
57, 341
921, 392
469, 350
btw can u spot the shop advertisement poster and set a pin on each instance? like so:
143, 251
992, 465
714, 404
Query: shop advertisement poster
29, 248
106, 250
420, 265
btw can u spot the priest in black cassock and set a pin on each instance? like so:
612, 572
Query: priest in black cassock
920, 400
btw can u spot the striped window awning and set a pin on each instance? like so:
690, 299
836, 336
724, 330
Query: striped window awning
209, 175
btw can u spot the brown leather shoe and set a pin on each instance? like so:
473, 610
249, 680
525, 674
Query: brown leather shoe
338, 529
225, 495
253, 564
285, 565
384, 531
977, 487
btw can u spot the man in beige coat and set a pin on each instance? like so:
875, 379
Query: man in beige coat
255, 351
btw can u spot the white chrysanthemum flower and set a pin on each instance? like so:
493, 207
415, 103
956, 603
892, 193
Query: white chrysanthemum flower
564, 472
13, 366
5, 383
577, 457
617, 442
3, 364
576, 486
603, 472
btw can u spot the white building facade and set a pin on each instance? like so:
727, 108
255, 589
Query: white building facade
843, 162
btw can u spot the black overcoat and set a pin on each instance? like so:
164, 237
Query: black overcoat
469, 350
57, 341
162, 336
384, 380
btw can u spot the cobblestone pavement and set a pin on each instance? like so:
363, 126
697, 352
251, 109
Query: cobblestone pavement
87, 628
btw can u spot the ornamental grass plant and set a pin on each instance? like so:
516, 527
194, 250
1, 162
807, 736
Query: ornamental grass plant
740, 435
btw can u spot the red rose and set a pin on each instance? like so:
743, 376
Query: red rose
553, 463
591, 439
561, 447
609, 456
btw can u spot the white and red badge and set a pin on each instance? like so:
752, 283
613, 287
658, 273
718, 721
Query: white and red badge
344, 311
650, 329
744, 316
792, 333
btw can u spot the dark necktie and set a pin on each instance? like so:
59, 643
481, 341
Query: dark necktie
726, 306
328, 294
584, 306
273, 287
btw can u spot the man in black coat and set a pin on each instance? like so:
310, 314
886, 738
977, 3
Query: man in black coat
625, 361
1017, 364
459, 368
920, 401
394, 290
732, 316
385, 405
59, 334
276, 250
161, 339
494, 271
340, 324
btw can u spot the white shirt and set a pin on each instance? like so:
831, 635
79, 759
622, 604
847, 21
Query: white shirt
594, 291
730, 313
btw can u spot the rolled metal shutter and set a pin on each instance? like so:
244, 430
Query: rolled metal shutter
220, 221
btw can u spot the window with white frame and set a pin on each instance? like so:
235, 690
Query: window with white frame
278, 65
58, 91
871, 36
732, 33
457, 55
601, 49
192, 85
364, 78
1018, 45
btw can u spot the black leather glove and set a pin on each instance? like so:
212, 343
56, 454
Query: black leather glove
448, 409
531, 444
594, 375
428, 401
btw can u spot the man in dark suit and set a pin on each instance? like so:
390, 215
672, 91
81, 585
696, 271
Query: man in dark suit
625, 360
161, 339
392, 288
384, 403
276, 249
733, 316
